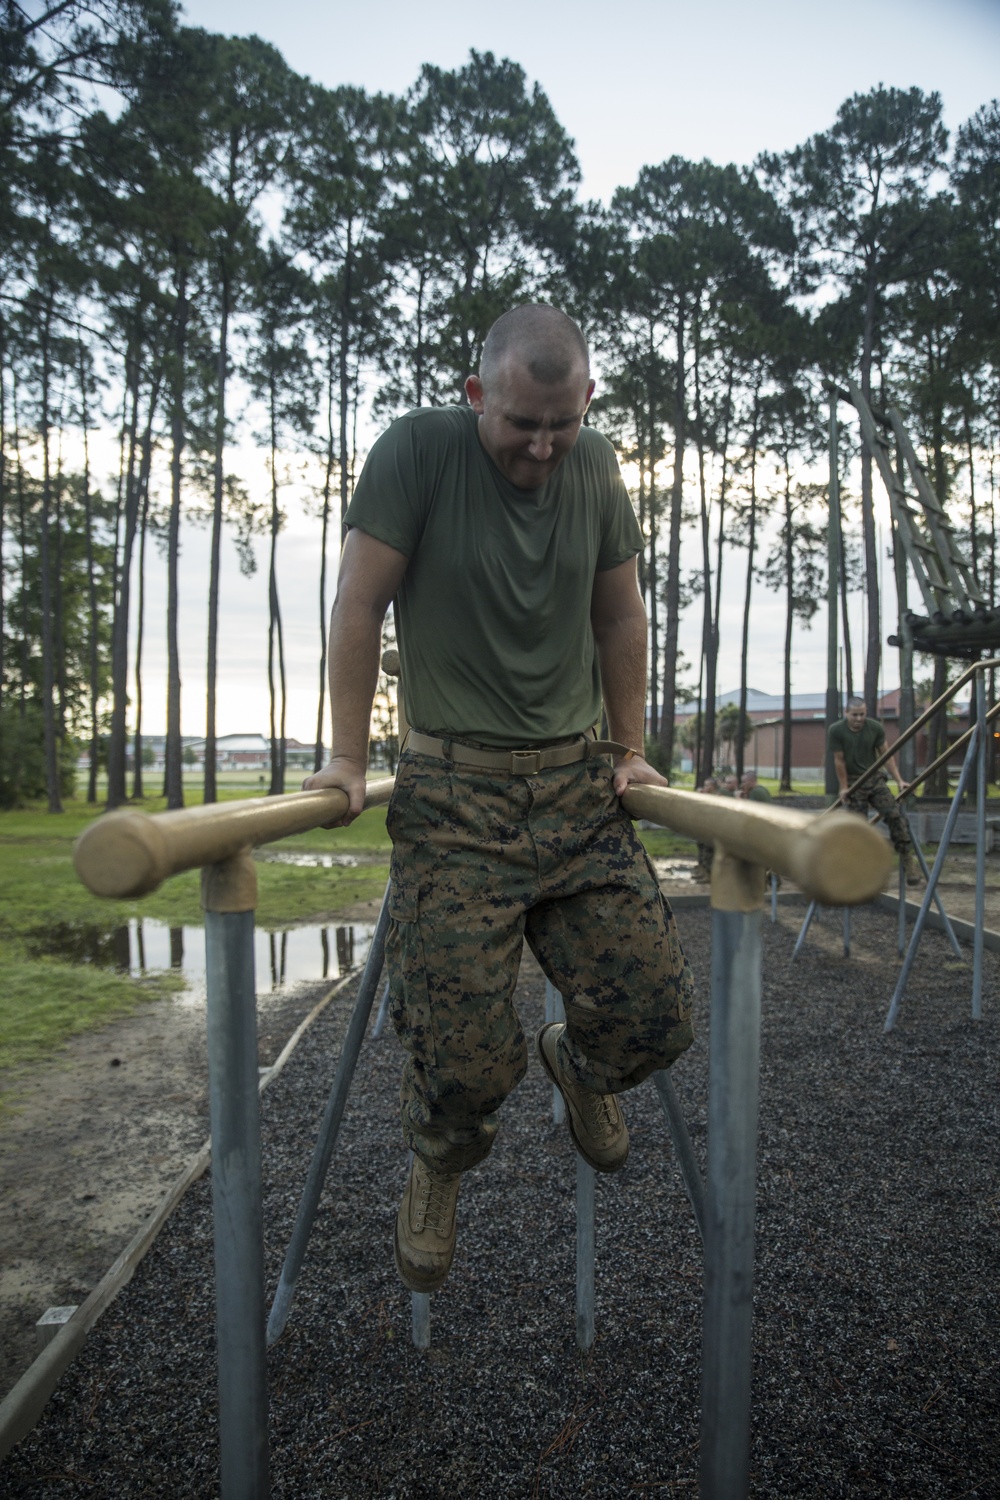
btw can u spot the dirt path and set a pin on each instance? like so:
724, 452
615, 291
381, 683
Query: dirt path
92, 1141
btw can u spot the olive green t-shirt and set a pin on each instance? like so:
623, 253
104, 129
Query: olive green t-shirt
861, 748
494, 608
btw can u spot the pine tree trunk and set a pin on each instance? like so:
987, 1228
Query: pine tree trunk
274, 644
712, 637
58, 607
673, 600
873, 653
318, 755
3, 520
126, 443
991, 573
48, 646
120, 621
845, 619
653, 576
705, 674
22, 526
786, 736
699, 724
639, 420
345, 387
282, 727
173, 768
94, 618
419, 351
973, 520
748, 588
210, 791
138, 790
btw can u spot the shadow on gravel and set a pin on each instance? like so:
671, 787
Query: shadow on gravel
876, 1291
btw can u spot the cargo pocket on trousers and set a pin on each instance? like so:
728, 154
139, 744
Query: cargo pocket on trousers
404, 953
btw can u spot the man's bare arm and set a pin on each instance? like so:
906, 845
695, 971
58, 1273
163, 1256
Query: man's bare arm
840, 766
618, 618
903, 786
370, 574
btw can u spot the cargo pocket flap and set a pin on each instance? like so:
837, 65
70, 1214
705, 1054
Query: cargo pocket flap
402, 904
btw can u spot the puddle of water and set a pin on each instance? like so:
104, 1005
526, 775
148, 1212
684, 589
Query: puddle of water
673, 869
143, 945
310, 861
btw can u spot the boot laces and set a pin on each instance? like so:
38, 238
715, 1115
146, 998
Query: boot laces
605, 1113
434, 1203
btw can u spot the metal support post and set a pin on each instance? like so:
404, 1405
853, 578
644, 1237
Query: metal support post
383, 1014
918, 926
229, 896
555, 1010
585, 1248
806, 924
981, 789
328, 1131
420, 1319
734, 1055
901, 935
949, 930
683, 1150
774, 897
847, 932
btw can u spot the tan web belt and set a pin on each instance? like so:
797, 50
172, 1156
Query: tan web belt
522, 762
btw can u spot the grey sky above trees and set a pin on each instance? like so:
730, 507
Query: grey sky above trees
648, 79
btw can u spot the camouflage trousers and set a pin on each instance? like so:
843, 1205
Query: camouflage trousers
875, 794
481, 863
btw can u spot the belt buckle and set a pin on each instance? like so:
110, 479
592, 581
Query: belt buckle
525, 762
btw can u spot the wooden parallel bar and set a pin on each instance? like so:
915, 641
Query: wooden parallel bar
837, 860
129, 853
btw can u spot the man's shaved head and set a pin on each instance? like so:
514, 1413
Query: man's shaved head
543, 340
532, 392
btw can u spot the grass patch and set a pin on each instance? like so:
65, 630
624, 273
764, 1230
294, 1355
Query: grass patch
39, 885
43, 1002
662, 843
366, 835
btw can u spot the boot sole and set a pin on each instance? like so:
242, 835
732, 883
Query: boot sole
598, 1166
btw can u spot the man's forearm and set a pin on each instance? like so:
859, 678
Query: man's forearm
621, 652
355, 641
840, 767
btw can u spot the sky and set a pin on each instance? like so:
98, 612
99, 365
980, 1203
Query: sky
632, 83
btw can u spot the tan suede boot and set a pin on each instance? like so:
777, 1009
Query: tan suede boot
425, 1227
596, 1122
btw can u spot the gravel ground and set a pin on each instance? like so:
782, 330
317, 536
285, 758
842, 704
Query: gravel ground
875, 1364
